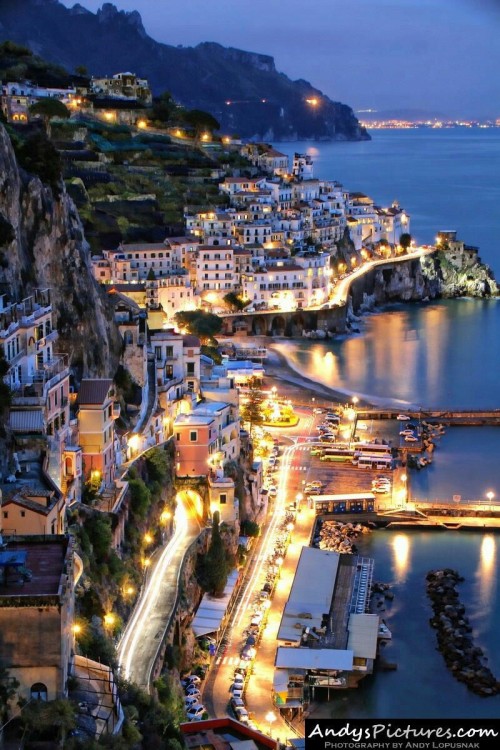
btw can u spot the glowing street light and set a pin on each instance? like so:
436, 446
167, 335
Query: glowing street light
76, 628
148, 538
270, 718
490, 495
109, 620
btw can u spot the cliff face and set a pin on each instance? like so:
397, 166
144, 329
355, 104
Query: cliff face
438, 275
44, 246
263, 103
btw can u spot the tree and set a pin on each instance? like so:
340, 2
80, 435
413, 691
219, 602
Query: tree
164, 107
251, 410
81, 70
8, 687
37, 155
201, 121
199, 323
234, 302
48, 109
215, 564
405, 240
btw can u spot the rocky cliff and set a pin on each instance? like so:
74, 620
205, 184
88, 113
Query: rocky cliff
42, 245
262, 102
442, 274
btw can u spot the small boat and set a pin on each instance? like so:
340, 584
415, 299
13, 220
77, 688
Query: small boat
411, 439
384, 634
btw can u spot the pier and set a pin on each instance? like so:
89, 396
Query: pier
465, 417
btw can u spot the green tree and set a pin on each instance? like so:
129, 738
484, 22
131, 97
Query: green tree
234, 302
215, 567
164, 107
48, 109
37, 155
251, 411
140, 498
200, 121
81, 70
199, 323
8, 687
405, 240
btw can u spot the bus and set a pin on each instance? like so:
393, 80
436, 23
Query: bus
373, 448
371, 461
337, 454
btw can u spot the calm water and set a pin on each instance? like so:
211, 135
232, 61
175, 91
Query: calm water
443, 354
422, 686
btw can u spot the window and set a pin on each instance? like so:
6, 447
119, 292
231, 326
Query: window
223, 499
23, 514
178, 436
38, 692
193, 436
190, 368
5, 514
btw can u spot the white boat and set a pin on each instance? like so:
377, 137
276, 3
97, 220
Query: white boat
411, 439
383, 632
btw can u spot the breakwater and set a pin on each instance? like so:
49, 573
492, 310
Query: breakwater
466, 661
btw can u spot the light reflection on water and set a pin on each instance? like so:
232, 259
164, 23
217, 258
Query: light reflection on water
401, 553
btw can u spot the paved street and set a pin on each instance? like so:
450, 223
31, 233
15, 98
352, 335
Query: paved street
141, 640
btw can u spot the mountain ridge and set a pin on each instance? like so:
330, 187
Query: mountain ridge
264, 103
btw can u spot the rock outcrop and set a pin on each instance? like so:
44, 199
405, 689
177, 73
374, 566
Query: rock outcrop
43, 246
442, 274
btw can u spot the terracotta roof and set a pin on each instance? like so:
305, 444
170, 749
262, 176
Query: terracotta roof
190, 340
94, 390
26, 502
272, 152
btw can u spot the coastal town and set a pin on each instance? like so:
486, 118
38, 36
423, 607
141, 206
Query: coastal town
123, 491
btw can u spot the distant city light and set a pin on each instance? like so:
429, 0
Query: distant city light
313, 101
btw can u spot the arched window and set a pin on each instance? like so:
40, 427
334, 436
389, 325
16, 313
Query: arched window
39, 692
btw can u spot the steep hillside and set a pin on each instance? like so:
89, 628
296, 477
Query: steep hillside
42, 245
242, 89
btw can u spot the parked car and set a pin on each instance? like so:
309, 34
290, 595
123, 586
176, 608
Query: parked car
191, 700
237, 690
318, 410
237, 703
195, 713
242, 715
402, 417
191, 679
191, 690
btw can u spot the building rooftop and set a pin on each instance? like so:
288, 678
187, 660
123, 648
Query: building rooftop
94, 390
307, 605
193, 419
45, 561
314, 658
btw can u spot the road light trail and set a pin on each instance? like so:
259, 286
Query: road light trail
134, 631
268, 540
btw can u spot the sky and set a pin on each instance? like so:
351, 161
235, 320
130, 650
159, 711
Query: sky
441, 56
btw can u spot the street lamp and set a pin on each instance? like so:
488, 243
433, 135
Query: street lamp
490, 495
270, 717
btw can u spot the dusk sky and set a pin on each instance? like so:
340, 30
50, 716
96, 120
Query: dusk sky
441, 56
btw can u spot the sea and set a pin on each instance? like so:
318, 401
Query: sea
442, 354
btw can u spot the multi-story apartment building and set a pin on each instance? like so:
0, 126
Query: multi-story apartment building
206, 224
302, 168
97, 411
394, 221
123, 86
254, 232
215, 268
300, 282
38, 378
17, 97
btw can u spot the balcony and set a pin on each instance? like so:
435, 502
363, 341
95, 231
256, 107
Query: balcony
116, 411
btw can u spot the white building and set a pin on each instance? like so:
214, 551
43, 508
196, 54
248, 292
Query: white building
215, 269
302, 167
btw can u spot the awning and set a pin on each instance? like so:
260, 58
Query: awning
26, 421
